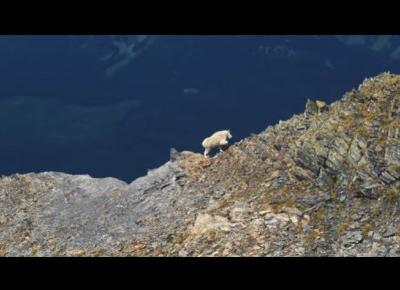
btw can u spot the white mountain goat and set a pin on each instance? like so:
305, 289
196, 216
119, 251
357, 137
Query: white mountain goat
218, 139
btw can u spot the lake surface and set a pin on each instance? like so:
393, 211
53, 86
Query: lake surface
115, 105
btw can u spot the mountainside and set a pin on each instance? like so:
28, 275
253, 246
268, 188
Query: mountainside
323, 183
110, 105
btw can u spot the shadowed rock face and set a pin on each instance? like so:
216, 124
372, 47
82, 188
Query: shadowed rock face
323, 183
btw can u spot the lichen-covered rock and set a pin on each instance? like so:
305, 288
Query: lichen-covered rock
323, 183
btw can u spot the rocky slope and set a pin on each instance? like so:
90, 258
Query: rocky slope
323, 183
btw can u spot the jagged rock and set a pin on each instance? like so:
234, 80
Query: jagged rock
370, 189
293, 211
318, 184
353, 238
173, 154
392, 153
389, 175
306, 158
355, 151
311, 108
205, 223
389, 232
320, 104
323, 179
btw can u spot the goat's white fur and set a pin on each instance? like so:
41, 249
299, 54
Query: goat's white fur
218, 139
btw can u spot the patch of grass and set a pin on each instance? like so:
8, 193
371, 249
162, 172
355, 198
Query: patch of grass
211, 235
391, 194
391, 81
362, 131
334, 195
336, 211
366, 229
158, 251
376, 212
341, 228
319, 215
97, 252
285, 202
34, 248
347, 120
367, 91
311, 237
179, 238
2, 250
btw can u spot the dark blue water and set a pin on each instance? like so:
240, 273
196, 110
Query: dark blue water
115, 105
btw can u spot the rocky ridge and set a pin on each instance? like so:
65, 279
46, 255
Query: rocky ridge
323, 183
